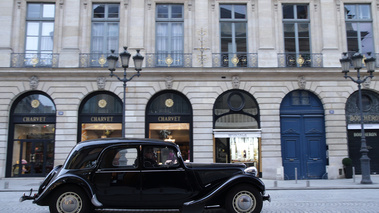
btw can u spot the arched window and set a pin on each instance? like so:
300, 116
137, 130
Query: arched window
236, 109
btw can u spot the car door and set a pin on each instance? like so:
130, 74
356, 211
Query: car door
117, 179
164, 179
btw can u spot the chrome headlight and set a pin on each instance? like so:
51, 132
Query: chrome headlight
251, 170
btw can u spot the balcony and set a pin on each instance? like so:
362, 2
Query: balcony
168, 60
300, 60
235, 60
37, 60
93, 59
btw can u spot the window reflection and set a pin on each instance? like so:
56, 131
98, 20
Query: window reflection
34, 104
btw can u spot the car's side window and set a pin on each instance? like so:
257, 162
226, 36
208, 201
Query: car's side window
159, 157
122, 157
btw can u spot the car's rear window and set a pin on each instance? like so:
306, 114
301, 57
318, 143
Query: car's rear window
84, 158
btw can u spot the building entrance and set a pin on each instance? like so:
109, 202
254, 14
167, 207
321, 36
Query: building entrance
370, 103
31, 136
303, 136
236, 129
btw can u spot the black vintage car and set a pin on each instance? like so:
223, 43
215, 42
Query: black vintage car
143, 173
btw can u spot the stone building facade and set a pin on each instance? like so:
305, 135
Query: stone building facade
252, 81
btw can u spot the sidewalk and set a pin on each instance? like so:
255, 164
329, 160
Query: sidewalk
25, 184
322, 184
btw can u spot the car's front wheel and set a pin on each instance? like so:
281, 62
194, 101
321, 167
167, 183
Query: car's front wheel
244, 199
69, 199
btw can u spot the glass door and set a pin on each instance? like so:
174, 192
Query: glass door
33, 150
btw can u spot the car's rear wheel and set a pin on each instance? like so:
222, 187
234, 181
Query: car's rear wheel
244, 199
69, 199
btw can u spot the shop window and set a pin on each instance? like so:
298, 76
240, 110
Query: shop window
100, 116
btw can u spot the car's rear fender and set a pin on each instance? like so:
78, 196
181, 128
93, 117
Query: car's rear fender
43, 198
223, 188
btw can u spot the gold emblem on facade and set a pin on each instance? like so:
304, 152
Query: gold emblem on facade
102, 60
235, 60
34, 61
169, 102
102, 103
35, 103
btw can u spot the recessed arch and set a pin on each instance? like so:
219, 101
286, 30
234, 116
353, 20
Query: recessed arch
100, 116
168, 117
31, 138
303, 140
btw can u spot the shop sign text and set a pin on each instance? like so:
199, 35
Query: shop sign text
169, 118
102, 119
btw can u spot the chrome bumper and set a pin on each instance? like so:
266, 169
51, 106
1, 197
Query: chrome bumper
28, 197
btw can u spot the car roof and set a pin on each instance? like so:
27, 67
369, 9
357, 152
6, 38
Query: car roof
118, 141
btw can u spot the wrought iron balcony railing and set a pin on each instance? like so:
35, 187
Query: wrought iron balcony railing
168, 60
93, 60
300, 59
34, 60
235, 59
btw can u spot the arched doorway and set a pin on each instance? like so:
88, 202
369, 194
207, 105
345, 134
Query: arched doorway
31, 136
100, 116
169, 117
370, 102
302, 127
236, 128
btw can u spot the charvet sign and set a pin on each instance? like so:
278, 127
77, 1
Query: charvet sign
34, 119
169, 118
102, 119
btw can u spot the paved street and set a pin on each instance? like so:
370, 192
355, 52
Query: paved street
283, 201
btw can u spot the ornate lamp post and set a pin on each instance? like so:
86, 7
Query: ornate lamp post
356, 60
125, 56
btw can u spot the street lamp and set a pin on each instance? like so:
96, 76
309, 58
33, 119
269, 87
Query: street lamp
356, 61
112, 62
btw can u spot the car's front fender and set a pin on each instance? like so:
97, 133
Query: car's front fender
43, 198
235, 180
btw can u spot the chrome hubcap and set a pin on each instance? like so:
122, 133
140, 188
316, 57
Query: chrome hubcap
69, 202
244, 201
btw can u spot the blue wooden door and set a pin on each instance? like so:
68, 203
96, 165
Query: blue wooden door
303, 140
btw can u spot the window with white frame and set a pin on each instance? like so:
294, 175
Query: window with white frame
359, 28
296, 26
169, 35
105, 28
39, 34
233, 34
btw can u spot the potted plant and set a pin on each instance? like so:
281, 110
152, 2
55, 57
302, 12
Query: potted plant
348, 167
